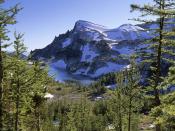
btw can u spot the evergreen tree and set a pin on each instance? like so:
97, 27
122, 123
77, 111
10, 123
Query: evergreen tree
39, 87
132, 93
7, 17
165, 113
116, 104
126, 102
19, 80
161, 43
27, 88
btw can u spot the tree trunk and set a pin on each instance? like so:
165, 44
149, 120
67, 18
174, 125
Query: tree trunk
120, 123
17, 107
1, 88
129, 116
158, 127
37, 113
120, 113
157, 98
38, 121
158, 70
159, 55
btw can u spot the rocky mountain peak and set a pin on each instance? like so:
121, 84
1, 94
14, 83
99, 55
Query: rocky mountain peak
92, 50
85, 25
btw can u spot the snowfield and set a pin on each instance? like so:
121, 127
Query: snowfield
87, 53
86, 25
124, 32
124, 50
127, 32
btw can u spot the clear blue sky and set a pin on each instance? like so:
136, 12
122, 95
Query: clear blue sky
42, 20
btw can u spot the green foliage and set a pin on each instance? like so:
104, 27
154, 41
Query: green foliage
7, 17
126, 102
165, 113
162, 46
23, 85
162, 42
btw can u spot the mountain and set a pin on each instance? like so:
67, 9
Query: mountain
92, 50
22, 56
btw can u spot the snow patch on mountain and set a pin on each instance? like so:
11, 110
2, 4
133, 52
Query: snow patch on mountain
127, 32
66, 43
87, 53
124, 32
125, 50
130, 28
81, 71
91, 35
112, 45
82, 25
122, 50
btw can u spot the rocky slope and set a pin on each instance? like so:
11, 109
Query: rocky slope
92, 50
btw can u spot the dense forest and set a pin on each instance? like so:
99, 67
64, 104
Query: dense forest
131, 106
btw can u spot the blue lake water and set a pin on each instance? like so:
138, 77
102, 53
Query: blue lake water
62, 75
